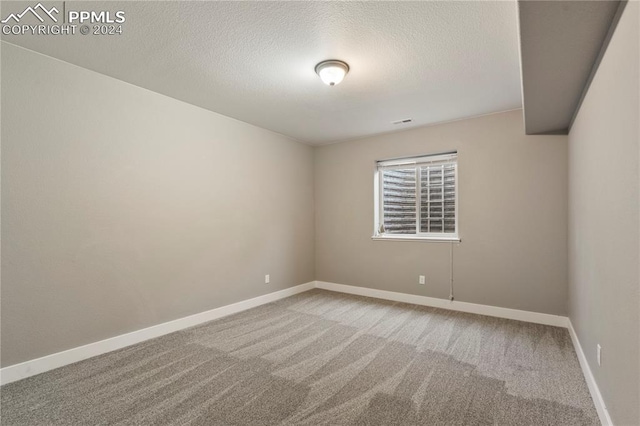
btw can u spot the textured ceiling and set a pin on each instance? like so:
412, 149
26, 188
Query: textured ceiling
254, 61
560, 42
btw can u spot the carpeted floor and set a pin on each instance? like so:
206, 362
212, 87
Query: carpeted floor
322, 358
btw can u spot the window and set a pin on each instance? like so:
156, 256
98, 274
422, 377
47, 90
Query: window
416, 198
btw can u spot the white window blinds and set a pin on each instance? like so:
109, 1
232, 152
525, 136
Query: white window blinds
417, 196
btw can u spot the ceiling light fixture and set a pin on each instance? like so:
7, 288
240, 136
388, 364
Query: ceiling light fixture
332, 72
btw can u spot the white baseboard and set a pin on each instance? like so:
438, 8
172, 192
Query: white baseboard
601, 408
40, 365
473, 308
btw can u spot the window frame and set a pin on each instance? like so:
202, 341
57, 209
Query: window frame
416, 162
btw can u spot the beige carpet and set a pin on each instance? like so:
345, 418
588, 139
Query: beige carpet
322, 358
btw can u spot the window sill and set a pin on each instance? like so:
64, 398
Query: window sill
452, 239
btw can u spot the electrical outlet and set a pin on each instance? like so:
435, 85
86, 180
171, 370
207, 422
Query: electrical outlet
266, 279
421, 279
599, 354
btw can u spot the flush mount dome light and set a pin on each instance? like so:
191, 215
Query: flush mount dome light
332, 72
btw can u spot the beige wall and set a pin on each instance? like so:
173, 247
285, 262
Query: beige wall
512, 216
123, 208
604, 223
